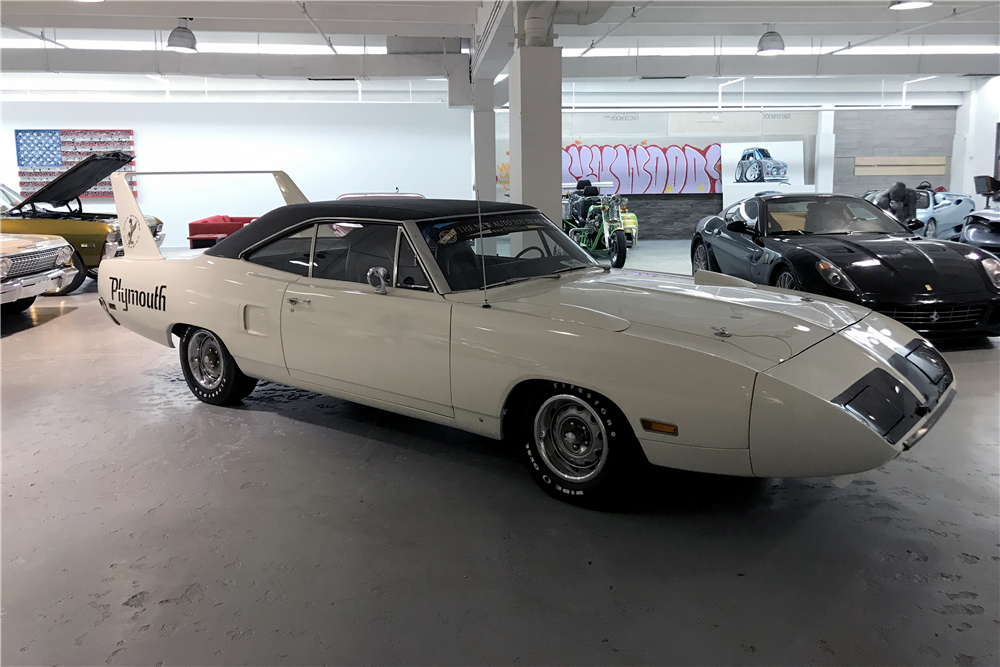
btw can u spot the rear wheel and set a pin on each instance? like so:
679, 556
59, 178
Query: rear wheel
210, 371
700, 260
18, 306
739, 172
617, 247
579, 445
930, 231
81, 275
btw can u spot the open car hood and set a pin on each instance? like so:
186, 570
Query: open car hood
77, 179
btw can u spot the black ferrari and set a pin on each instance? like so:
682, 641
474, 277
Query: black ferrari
846, 248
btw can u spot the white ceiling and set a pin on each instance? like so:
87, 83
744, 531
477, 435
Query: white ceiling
631, 41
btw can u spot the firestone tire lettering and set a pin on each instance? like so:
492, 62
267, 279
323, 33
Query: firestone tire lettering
625, 457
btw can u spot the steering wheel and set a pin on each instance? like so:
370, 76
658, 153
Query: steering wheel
541, 252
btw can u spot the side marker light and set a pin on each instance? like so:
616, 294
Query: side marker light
658, 427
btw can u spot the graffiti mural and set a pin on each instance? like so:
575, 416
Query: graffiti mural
646, 169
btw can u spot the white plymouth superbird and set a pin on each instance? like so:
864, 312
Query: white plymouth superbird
591, 372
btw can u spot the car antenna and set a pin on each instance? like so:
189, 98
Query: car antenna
482, 247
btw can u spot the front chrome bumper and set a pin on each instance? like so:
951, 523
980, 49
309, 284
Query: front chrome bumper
116, 249
24, 287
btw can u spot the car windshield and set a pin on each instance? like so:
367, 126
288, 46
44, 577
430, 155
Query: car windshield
763, 153
8, 198
514, 248
828, 215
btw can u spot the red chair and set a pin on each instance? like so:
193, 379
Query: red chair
206, 232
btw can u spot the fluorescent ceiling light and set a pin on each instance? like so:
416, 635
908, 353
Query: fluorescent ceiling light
182, 39
909, 4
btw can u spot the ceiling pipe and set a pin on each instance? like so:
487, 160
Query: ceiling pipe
611, 31
954, 15
31, 34
538, 22
302, 8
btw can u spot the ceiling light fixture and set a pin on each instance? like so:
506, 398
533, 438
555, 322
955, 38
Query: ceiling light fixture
181, 38
909, 4
770, 43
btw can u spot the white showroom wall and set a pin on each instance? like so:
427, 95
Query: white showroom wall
976, 135
327, 149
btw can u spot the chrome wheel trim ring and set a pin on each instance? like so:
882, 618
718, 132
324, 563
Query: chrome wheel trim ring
570, 438
786, 281
753, 171
205, 360
700, 260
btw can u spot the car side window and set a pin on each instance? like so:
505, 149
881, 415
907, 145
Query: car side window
348, 250
923, 200
289, 253
409, 275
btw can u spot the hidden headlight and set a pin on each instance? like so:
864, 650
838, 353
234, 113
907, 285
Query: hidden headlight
5, 266
65, 256
992, 268
834, 276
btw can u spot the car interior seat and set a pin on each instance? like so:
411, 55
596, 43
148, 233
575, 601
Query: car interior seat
457, 258
823, 217
590, 196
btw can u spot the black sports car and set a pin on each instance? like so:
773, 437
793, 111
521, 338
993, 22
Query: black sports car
847, 248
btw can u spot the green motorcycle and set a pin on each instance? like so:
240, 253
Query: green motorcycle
599, 223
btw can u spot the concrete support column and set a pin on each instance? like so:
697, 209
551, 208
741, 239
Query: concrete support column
484, 140
536, 128
825, 151
973, 151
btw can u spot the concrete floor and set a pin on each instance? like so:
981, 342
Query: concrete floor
142, 527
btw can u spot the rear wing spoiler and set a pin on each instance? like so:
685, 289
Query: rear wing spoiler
138, 241
289, 191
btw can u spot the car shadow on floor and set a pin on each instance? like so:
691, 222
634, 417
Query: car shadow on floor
33, 317
655, 491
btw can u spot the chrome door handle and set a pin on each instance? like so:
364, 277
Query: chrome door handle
294, 301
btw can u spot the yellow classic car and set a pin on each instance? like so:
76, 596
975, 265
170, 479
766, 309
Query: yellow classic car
56, 210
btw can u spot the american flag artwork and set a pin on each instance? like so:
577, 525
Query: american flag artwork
44, 154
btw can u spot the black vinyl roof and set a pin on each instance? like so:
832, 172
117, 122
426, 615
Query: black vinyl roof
391, 209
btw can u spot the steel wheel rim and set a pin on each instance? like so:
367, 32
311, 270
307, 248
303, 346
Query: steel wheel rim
786, 281
205, 360
571, 439
700, 258
752, 172
613, 248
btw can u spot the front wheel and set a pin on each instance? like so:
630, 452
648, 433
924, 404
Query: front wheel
786, 280
617, 247
579, 445
81, 275
930, 231
18, 306
210, 371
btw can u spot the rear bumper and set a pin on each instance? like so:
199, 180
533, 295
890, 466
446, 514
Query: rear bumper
24, 287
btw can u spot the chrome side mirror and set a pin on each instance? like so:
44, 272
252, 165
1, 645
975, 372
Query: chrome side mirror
378, 277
